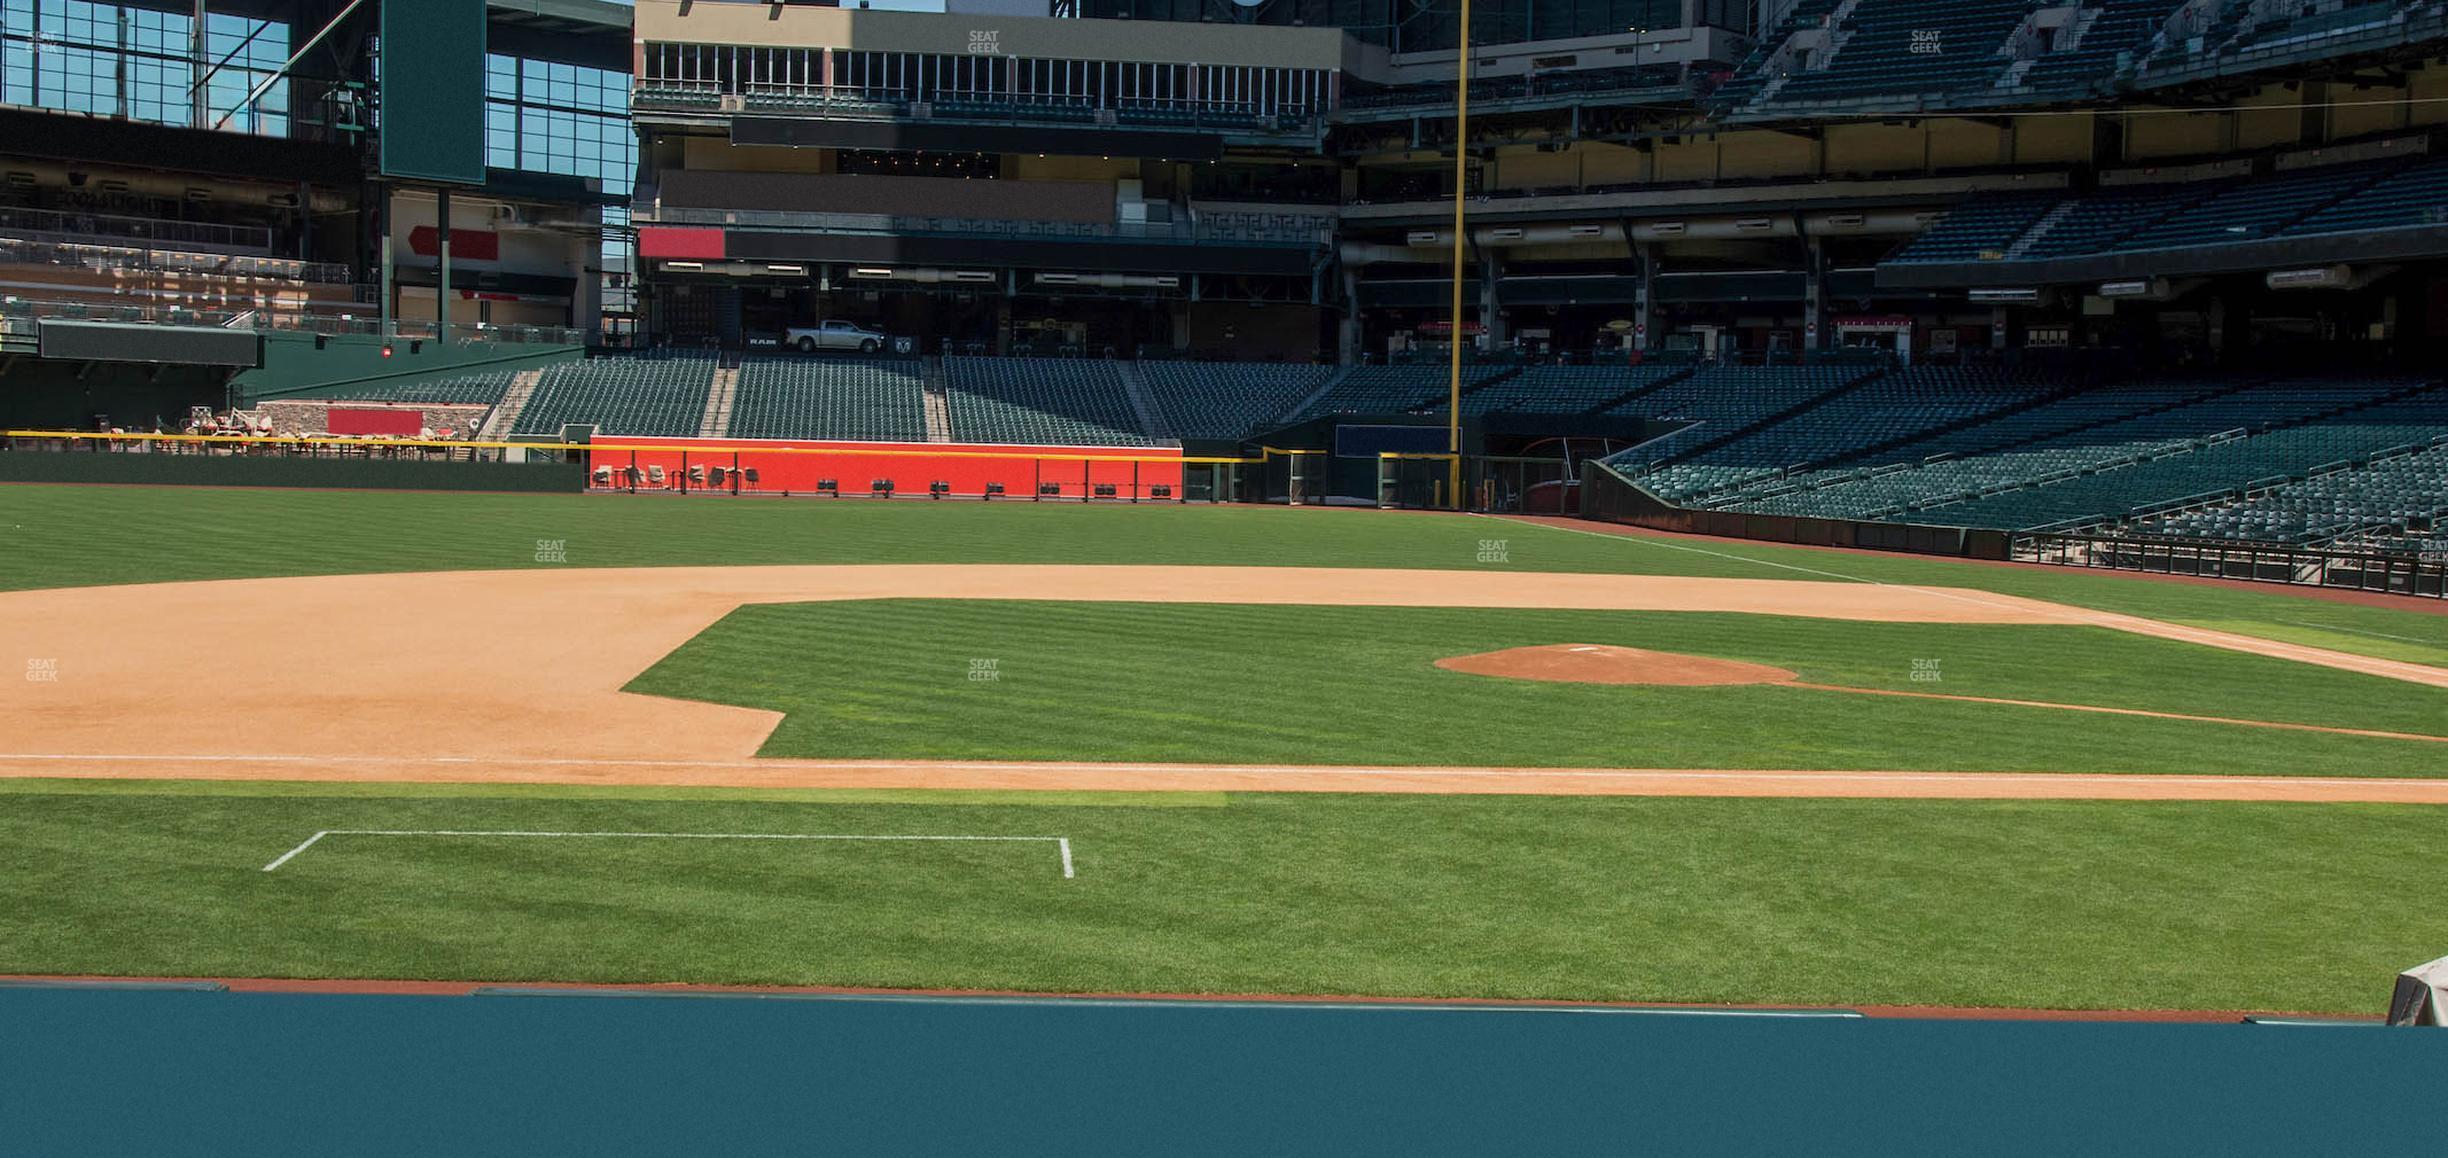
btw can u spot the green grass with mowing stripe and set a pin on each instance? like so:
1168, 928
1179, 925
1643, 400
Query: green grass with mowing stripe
2064, 904
1346, 685
58, 536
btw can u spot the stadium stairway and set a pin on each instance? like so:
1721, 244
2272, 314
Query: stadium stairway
1226, 400
654, 394
1406, 389
1150, 419
1646, 387
719, 401
1719, 403
1332, 383
935, 403
505, 415
1476, 388
1868, 375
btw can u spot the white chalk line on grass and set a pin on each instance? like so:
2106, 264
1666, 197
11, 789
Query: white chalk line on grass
1062, 843
1319, 770
1653, 542
2066, 612
2357, 631
2069, 613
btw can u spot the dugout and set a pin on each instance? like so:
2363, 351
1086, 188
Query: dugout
1334, 460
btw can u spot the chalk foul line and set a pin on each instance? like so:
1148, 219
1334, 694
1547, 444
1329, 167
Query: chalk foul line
1061, 843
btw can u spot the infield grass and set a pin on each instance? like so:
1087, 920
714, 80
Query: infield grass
1215, 683
2056, 904
66, 536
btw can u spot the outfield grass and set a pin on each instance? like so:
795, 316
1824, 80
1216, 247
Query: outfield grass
2059, 904
57, 536
1343, 685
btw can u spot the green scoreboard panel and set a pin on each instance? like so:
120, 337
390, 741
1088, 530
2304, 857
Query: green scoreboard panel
433, 90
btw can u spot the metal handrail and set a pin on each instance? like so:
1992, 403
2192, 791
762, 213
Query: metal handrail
268, 321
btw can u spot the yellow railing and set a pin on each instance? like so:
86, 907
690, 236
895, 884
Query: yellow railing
294, 442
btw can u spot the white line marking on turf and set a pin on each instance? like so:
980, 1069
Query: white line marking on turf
1061, 842
2080, 614
2084, 616
303, 846
2357, 631
1655, 542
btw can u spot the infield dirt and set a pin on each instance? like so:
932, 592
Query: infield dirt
517, 675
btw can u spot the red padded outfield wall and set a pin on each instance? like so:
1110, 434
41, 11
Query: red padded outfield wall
796, 467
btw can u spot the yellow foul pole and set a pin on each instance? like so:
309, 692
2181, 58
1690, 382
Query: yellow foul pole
1453, 411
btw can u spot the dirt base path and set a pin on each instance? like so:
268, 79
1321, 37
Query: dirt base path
503, 674
998, 775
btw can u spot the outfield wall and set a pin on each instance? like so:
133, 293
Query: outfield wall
796, 467
353, 468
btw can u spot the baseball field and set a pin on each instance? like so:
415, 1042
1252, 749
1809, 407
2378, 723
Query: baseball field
1197, 750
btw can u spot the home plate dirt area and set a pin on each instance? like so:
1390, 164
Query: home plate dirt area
517, 676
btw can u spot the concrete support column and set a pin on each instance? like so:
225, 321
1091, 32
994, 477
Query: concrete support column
587, 302
442, 287
1491, 267
1814, 299
199, 59
1347, 331
382, 231
1644, 267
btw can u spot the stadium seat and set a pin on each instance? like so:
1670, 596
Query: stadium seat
858, 399
1043, 401
656, 395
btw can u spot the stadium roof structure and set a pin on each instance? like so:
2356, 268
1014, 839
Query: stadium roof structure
561, 16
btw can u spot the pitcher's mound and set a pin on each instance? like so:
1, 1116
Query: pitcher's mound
1597, 663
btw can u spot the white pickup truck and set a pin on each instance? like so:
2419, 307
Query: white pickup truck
834, 335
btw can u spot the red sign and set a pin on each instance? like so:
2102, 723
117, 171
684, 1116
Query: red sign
351, 421
665, 241
466, 244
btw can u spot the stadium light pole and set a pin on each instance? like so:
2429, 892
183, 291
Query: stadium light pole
1453, 359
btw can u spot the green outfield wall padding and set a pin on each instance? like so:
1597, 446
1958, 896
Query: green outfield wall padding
283, 471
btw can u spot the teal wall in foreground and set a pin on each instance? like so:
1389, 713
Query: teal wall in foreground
270, 471
99, 1071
